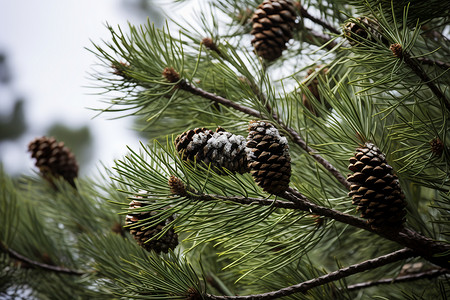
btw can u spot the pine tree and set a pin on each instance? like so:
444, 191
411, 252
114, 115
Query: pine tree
330, 159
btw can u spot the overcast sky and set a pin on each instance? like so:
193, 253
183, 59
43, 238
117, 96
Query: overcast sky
45, 46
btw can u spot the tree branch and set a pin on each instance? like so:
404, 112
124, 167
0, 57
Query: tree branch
326, 164
246, 201
207, 95
35, 264
303, 203
426, 61
425, 78
411, 277
436, 252
253, 112
329, 44
305, 14
333, 276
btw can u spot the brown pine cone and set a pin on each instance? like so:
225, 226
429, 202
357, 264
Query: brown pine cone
268, 157
375, 189
145, 235
54, 159
273, 23
361, 30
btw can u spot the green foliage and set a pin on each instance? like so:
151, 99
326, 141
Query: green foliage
420, 11
126, 270
234, 237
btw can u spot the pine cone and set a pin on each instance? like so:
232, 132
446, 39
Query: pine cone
122, 69
375, 190
177, 186
221, 149
273, 23
144, 235
437, 147
397, 50
53, 159
268, 157
362, 30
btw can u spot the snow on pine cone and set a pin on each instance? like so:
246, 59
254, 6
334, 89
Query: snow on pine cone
273, 23
145, 235
375, 189
268, 157
54, 159
220, 150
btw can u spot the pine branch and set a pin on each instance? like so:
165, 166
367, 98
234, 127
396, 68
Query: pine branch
303, 203
297, 201
326, 39
326, 164
330, 277
305, 14
252, 112
426, 61
246, 201
36, 264
436, 252
402, 54
199, 92
433, 251
411, 277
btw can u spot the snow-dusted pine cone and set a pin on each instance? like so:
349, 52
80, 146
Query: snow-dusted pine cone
268, 157
375, 190
273, 23
220, 150
54, 159
144, 235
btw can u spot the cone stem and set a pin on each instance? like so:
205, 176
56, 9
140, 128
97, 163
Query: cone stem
305, 14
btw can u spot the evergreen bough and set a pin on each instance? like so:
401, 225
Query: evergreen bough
239, 240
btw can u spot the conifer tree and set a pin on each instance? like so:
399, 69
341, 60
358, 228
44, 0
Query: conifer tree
297, 150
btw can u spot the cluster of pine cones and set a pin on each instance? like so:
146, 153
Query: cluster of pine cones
375, 190
264, 153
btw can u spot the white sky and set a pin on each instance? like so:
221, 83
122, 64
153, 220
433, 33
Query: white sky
45, 45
